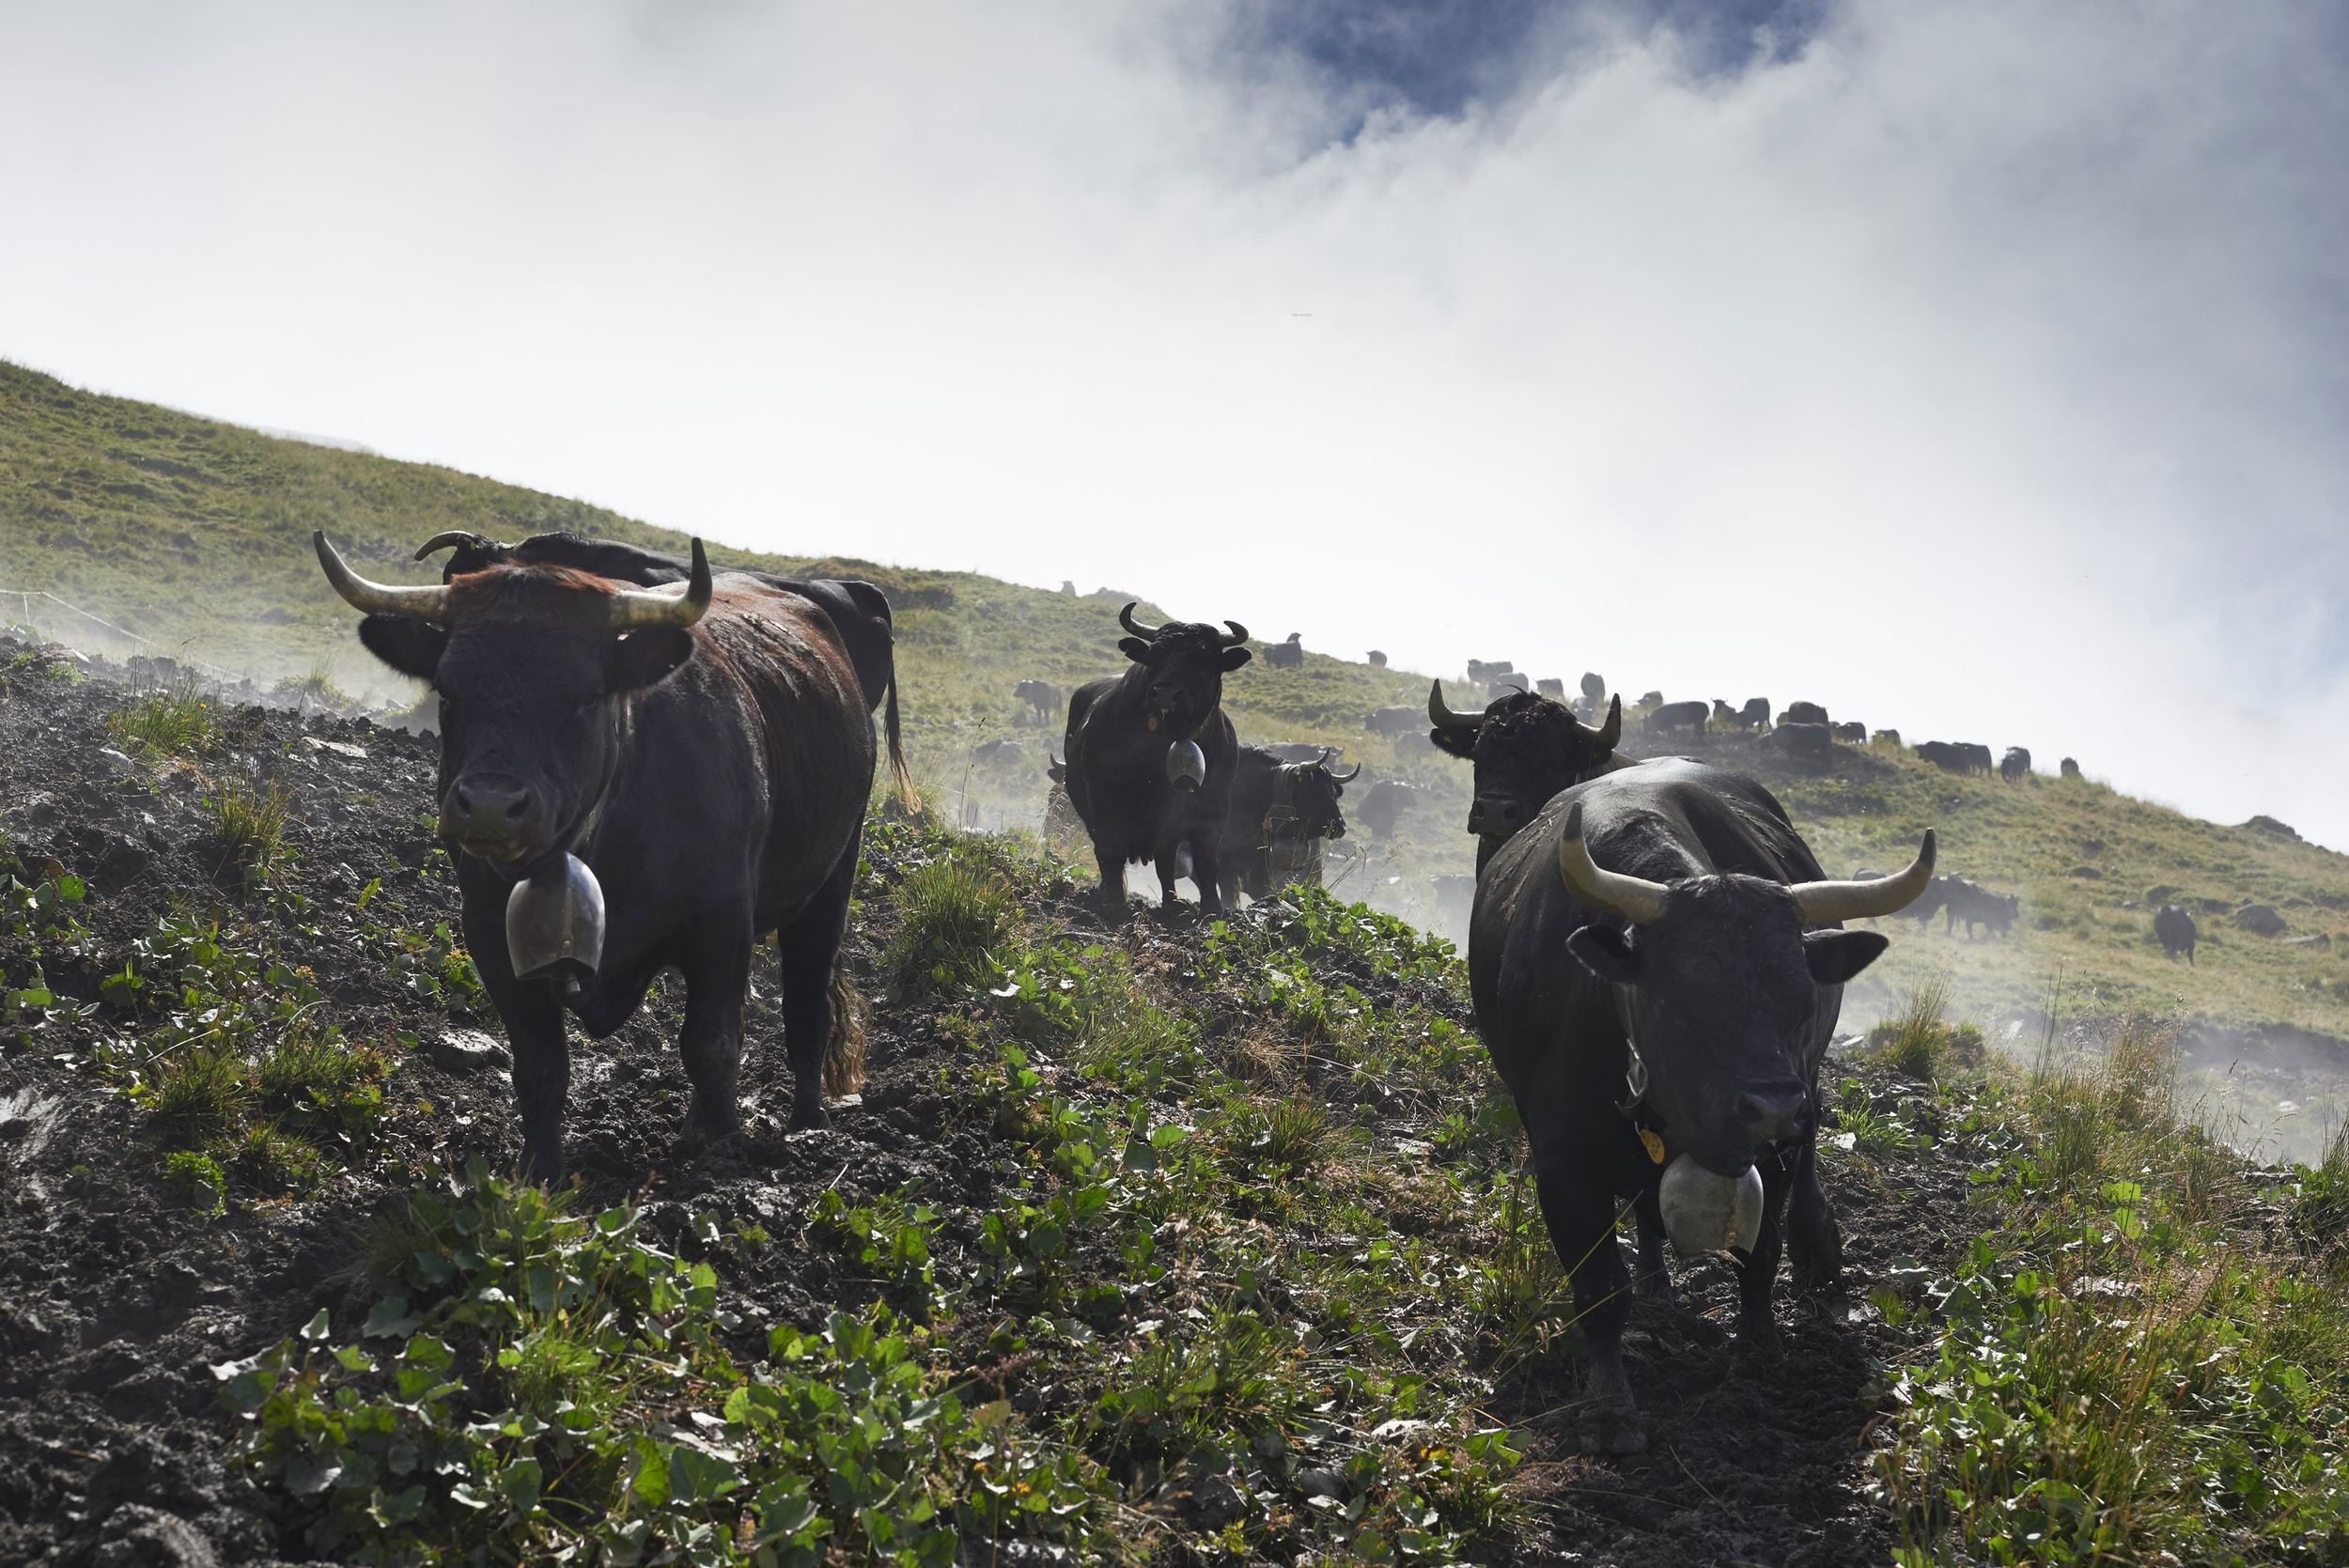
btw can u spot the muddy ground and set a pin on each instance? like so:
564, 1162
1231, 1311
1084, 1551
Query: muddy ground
116, 1297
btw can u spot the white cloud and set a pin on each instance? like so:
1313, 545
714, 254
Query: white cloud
1975, 371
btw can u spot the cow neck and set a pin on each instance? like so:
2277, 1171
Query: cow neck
1634, 1103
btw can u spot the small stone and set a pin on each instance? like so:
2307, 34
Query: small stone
1217, 1502
1320, 1484
117, 761
468, 1051
136, 1536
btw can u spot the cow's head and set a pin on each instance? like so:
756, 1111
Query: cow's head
534, 666
1526, 749
1311, 791
1722, 975
1187, 662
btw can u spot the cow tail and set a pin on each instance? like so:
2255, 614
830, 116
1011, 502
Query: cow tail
906, 796
844, 1053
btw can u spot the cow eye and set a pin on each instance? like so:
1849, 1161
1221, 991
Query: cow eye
592, 704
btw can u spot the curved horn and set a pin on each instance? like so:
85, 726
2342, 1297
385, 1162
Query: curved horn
1327, 757
1824, 903
1126, 619
1637, 899
632, 608
1443, 718
1611, 733
379, 599
1240, 634
450, 538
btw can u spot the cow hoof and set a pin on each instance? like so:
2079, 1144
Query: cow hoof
809, 1118
1759, 1343
1611, 1429
1656, 1285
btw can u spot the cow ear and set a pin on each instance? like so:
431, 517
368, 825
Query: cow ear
1836, 957
412, 646
1609, 953
1135, 649
645, 657
1458, 739
1235, 658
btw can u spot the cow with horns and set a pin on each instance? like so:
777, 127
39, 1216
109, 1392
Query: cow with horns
1656, 965
634, 777
1525, 749
1149, 757
1280, 811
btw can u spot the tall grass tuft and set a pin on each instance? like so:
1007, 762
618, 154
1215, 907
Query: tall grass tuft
1920, 1041
174, 719
953, 914
250, 823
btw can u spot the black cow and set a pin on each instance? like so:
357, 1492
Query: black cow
1489, 670
1001, 753
1041, 696
1593, 687
2070, 768
1887, 737
1280, 813
1525, 749
1391, 722
1652, 699
1852, 732
1377, 660
2016, 766
1755, 715
1287, 656
1928, 902
708, 753
1552, 687
2175, 930
1123, 745
1976, 758
1676, 715
1804, 713
1811, 742
1673, 904
1949, 757
1383, 805
1975, 904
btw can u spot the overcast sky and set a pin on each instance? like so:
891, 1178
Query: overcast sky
1978, 369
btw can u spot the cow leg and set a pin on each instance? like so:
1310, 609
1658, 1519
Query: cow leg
1656, 1277
1813, 1245
1582, 1219
717, 976
1112, 866
1167, 860
809, 946
534, 1030
1207, 869
1757, 1272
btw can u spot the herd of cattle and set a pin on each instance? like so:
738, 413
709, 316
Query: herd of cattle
648, 765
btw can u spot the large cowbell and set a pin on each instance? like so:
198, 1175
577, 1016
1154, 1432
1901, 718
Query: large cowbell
555, 923
1186, 765
1704, 1213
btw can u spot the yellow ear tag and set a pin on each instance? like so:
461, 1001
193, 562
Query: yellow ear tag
1652, 1141
1151, 722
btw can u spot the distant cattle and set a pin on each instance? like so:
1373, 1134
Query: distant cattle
1977, 758
1809, 742
1804, 713
1852, 731
1976, 905
1495, 690
2016, 766
2260, 920
1377, 658
1552, 687
1392, 721
1525, 749
1042, 697
1676, 715
1593, 686
1888, 738
1001, 753
1150, 755
1484, 671
1651, 699
2070, 768
1287, 656
1280, 811
1383, 805
1755, 715
1957, 756
1068, 587
2175, 930
1928, 904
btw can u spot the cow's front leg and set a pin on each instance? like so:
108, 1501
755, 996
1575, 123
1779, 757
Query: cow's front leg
535, 1033
1207, 869
808, 950
1581, 1216
1812, 1244
1113, 865
1757, 1271
717, 975
1655, 1276
1172, 866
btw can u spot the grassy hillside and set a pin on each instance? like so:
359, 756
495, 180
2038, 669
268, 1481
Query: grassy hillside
194, 533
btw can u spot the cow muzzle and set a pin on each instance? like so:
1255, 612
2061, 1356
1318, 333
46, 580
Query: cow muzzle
1186, 765
1704, 1213
1496, 815
490, 816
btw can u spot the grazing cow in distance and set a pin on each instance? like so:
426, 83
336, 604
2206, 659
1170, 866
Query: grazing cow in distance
1671, 905
1853, 732
1676, 715
2016, 766
1280, 813
1804, 713
1976, 758
1068, 588
1383, 805
1809, 742
2175, 930
1942, 754
1753, 716
1142, 794
1976, 905
1651, 699
1524, 749
1041, 696
1928, 901
1287, 656
1487, 671
1377, 658
2070, 768
1888, 738
1003, 752
703, 757
1391, 722
1552, 687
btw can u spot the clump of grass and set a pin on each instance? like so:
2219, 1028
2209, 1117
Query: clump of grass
198, 1096
174, 719
198, 1179
313, 691
250, 823
1920, 1041
1289, 1135
262, 1159
2320, 1198
953, 914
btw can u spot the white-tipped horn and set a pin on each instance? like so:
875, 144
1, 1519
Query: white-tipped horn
1826, 903
633, 608
1637, 899
427, 603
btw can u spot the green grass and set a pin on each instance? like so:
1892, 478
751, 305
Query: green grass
249, 821
171, 721
1920, 1041
952, 915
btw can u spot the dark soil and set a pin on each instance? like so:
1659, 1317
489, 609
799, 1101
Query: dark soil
116, 1299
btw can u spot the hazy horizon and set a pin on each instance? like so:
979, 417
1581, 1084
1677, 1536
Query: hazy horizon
1969, 373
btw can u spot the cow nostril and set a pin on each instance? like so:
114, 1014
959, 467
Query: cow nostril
1509, 813
516, 807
